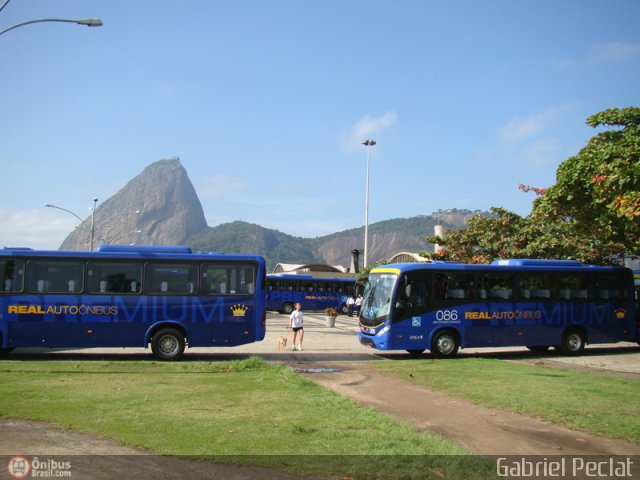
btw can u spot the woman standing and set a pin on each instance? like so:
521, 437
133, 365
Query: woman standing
295, 324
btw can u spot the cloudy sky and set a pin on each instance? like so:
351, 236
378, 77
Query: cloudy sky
267, 102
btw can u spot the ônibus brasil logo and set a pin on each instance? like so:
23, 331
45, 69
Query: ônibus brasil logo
19, 467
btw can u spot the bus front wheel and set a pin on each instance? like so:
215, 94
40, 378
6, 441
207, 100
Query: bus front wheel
287, 308
168, 344
444, 344
573, 342
344, 309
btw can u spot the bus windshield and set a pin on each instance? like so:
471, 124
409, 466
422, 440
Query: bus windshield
376, 301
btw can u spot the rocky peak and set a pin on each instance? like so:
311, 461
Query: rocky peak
157, 207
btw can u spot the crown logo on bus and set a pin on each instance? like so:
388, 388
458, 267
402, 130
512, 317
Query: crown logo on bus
239, 310
620, 313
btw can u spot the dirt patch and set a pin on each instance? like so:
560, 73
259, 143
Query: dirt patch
481, 430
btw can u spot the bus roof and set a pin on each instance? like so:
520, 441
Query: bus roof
501, 265
128, 252
295, 276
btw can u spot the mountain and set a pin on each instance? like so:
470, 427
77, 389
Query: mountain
385, 239
243, 237
158, 207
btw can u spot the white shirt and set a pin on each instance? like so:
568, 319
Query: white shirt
296, 318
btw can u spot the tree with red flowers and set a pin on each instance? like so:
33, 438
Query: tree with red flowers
597, 192
591, 214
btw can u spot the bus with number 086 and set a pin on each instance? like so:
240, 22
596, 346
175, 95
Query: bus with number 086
130, 296
538, 304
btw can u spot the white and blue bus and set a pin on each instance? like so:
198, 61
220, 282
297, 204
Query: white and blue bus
538, 304
313, 293
130, 296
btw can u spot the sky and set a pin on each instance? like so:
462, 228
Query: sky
267, 103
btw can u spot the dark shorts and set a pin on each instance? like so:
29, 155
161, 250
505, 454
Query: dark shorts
297, 329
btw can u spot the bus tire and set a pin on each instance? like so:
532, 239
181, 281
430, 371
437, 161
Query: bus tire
344, 309
573, 342
168, 344
445, 344
287, 308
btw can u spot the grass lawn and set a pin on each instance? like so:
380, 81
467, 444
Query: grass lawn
240, 412
607, 406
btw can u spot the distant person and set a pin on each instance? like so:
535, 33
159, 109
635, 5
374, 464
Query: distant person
295, 323
358, 304
350, 304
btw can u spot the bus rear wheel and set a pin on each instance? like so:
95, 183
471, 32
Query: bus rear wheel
573, 342
287, 308
168, 344
344, 309
445, 344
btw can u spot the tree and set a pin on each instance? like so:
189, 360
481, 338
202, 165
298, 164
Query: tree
597, 192
591, 214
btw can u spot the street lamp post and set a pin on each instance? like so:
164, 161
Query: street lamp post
367, 143
93, 214
90, 22
93, 211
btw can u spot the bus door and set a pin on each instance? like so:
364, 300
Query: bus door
411, 326
230, 290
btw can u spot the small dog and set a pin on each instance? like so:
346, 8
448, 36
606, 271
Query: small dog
282, 343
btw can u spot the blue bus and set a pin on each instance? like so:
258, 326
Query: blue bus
444, 306
313, 293
130, 296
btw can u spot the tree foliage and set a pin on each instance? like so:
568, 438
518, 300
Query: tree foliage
591, 213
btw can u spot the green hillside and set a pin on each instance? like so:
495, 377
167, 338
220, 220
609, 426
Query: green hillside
278, 247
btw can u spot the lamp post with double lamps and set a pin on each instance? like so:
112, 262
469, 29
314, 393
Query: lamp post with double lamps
367, 143
93, 211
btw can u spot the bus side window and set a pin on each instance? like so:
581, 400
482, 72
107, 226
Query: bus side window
114, 277
12, 275
54, 276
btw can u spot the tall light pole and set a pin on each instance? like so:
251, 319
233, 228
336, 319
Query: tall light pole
367, 143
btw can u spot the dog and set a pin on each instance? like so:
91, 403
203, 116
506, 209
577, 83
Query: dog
282, 343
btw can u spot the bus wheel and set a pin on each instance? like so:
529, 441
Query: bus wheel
344, 309
444, 344
168, 344
287, 308
538, 348
573, 342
